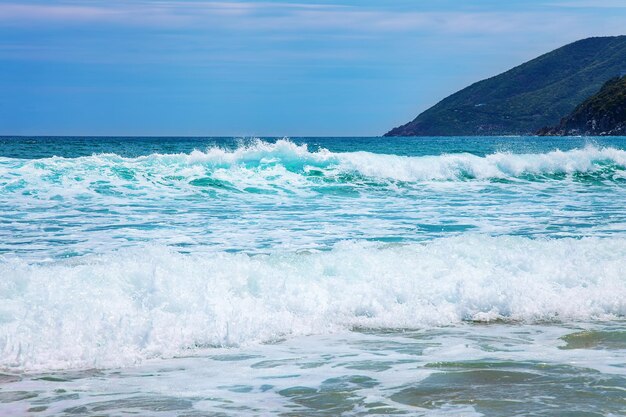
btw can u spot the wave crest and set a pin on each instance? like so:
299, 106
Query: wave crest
285, 165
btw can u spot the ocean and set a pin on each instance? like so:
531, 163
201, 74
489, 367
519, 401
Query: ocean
461, 276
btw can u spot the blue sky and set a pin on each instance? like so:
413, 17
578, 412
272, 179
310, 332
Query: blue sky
264, 68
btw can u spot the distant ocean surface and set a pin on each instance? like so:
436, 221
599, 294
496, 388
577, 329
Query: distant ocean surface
313, 276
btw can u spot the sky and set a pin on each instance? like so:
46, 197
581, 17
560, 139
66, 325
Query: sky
264, 68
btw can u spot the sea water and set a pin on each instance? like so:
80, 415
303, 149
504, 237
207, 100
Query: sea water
312, 276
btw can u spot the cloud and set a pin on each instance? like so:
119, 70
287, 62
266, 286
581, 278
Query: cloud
152, 13
267, 16
588, 4
17, 13
221, 33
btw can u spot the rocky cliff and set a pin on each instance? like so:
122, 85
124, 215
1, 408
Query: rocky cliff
603, 114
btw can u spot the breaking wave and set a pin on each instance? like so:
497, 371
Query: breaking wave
284, 165
120, 308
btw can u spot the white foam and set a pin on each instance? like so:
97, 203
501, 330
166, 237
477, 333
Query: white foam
120, 308
285, 164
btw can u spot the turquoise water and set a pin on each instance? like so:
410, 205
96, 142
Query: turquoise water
313, 276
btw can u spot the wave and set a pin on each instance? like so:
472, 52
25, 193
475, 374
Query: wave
124, 307
283, 165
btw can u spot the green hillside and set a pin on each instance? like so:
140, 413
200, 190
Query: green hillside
602, 114
528, 97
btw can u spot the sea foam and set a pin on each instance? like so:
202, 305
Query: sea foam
285, 165
120, 308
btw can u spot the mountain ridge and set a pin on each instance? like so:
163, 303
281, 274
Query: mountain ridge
527, 97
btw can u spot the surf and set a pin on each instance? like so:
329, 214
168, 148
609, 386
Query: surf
124, 307
284, 166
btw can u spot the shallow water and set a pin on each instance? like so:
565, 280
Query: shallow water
465, 370
178, 276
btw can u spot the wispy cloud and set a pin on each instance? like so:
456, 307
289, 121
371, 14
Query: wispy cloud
220, 33
146, 12
19, 13
591, 4
277, 17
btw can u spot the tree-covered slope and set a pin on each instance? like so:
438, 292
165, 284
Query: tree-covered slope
601, 114
526, 98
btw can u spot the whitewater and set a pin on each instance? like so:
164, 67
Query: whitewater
312, 276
